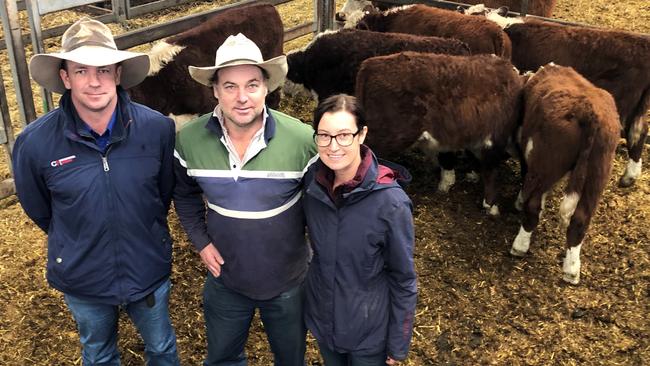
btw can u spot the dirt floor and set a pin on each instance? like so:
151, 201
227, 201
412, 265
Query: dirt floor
477, 305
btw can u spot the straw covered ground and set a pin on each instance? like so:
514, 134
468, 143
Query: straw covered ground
477, 305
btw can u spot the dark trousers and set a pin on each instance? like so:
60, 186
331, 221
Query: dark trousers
228, 317
332, 358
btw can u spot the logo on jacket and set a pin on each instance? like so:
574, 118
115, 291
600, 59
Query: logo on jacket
63, 161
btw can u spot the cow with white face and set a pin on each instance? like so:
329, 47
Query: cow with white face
169, 88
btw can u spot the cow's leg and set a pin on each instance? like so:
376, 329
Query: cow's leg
532, 212
636, 137
489, 163
447, 162
574, 237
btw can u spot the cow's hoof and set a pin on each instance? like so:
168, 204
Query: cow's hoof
492, 210
626, 181
572, 278
517, 252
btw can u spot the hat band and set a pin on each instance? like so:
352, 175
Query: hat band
90, 43
231, 62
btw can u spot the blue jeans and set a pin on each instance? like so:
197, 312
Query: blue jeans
228, 317
332, 358
98, 323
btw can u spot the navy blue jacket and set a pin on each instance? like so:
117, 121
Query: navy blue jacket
105, 214
361, 284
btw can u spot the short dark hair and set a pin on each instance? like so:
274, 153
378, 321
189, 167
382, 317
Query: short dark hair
215, 77
340, 102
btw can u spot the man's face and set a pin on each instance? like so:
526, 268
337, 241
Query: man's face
93, 88
241, 90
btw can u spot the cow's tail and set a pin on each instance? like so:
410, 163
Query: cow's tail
587, 162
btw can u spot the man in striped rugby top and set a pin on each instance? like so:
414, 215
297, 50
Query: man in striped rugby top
247, 161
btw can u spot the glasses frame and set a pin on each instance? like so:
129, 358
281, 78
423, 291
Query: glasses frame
335, 137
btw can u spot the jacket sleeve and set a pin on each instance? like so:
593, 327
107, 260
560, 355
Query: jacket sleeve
31, 188
401, 279
188, 201
166, 177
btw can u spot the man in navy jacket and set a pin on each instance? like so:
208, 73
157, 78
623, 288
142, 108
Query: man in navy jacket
96, 174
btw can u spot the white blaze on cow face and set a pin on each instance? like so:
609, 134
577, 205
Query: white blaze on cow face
522, 243
568, 207
503, 22
160, 54
351, 12
478, 9
447, 180
491, 210
182, 119
571, 265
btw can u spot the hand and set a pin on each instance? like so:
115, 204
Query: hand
390, 361
212, 259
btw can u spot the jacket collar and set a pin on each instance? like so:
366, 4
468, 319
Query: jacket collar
75, 128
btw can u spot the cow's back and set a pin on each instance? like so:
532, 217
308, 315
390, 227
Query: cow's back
481, 35
613, 60
458, 100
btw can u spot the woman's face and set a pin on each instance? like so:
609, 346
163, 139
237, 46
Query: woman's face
343, 160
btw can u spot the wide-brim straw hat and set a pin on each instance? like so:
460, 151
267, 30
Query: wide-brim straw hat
88, 42
239, 50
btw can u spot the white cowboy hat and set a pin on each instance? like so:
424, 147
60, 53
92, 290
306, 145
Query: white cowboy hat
239, 50
88, 42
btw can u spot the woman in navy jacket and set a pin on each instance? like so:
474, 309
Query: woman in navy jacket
361, 285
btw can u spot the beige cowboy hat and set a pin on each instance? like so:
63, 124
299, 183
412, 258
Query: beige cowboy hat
239, 50
91, 43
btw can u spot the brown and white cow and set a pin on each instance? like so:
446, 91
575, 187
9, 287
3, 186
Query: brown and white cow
169, 88
329, 64
570, 127
447, 103
352, 10
481, 35
613, 60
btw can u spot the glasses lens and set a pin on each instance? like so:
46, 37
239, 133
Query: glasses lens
322, 140
344, 139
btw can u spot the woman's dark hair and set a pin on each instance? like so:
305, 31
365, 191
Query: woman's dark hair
340, 102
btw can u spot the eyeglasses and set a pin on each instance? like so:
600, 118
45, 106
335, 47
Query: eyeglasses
342, 139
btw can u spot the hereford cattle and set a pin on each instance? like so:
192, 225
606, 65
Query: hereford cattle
169, 87
446, 103
612, 60
352, 9
570, 126
329, 64
481, 35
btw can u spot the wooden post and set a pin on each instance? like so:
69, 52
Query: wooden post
325, 10
19, 69
37, 44
6, 130
524, 8
120, 9
7, 188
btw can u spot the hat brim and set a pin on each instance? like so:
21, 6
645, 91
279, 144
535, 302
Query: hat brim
276, 68
44, 68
